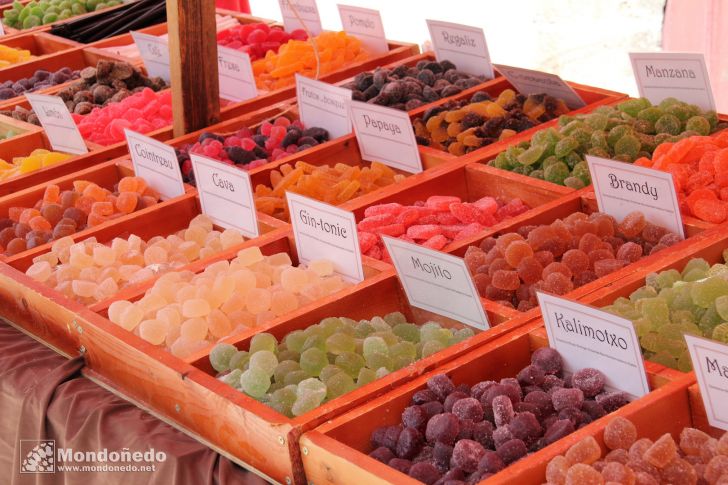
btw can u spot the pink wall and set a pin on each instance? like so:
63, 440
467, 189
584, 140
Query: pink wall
701, 26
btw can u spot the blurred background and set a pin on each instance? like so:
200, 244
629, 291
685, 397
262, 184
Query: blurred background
582, 41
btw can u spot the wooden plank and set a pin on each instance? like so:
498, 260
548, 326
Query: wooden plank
193, 64
335, 453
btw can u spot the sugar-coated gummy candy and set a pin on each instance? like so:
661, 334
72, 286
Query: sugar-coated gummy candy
631, 130
620, 433
257, 38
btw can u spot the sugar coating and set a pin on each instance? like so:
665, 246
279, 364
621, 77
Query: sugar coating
476, 430
97, 271
696, 459
228, 296
60, 213
333, 357
673, 302
558, 257
433, 223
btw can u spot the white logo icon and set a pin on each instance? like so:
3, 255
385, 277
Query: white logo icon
39, 456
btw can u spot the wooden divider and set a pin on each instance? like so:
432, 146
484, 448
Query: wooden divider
39, 44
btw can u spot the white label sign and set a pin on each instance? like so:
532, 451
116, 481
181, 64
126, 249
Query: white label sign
462, 45
366, 25
437, 282
58, 123
156, 163
528, 81
226, 195
2, 29
684, 76
155, 54
386, 135
710, 362
622, 188
587, 337
323, 231
296, 11
321, 104
237, 82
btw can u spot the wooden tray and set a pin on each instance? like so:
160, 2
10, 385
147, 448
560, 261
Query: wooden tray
74, 59
336, 452
709, 246
39, 44
252, 433
24, 145
104, 174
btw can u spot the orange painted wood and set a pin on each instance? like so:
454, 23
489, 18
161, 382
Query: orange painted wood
106, 175
335, 453
39, 44
24, 145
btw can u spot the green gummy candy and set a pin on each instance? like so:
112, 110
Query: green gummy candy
254, 382
705, 292
220, 356
668, 123
532, 155
350, 363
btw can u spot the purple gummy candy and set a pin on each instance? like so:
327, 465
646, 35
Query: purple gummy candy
513, 382
440, 385
548, 359
463, 388
443, 427
542, 401
423, 396
466, 429
453, 475
590, 381
491, 462
525, 427
442, 453
424, 472
432, 408
593, 409
502, 410
468, 408
425, 454
558, 430
611, 401
451, 399
565, 398
479, 388
551, 381
414, 417
382, 454
575, 415
501, 435
531, 375
466, 455
483, 433
409, 443
500, 390
386, 436
400, 464
512, 450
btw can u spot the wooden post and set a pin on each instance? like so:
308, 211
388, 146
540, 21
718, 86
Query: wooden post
193, 64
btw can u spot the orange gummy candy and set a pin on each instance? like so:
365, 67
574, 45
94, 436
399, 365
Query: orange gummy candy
95, 219
102, 208
84, 203
39, 223
14, 213
132, 184
80, 185
27, 215
52, 193
126, 202
95, 192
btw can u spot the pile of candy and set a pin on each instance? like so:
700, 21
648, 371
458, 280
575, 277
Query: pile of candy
185, 312
699, 167
696, 458
327, 360
433, 223
673, 303
406, 88
468, 434
334, 51
560, 256
35, 13
10, 56
63, 213
631, 130
7, 133
463, 126
38, 158
39, 80
142, 112
256, 39
90, 271
334, 185
249, 149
